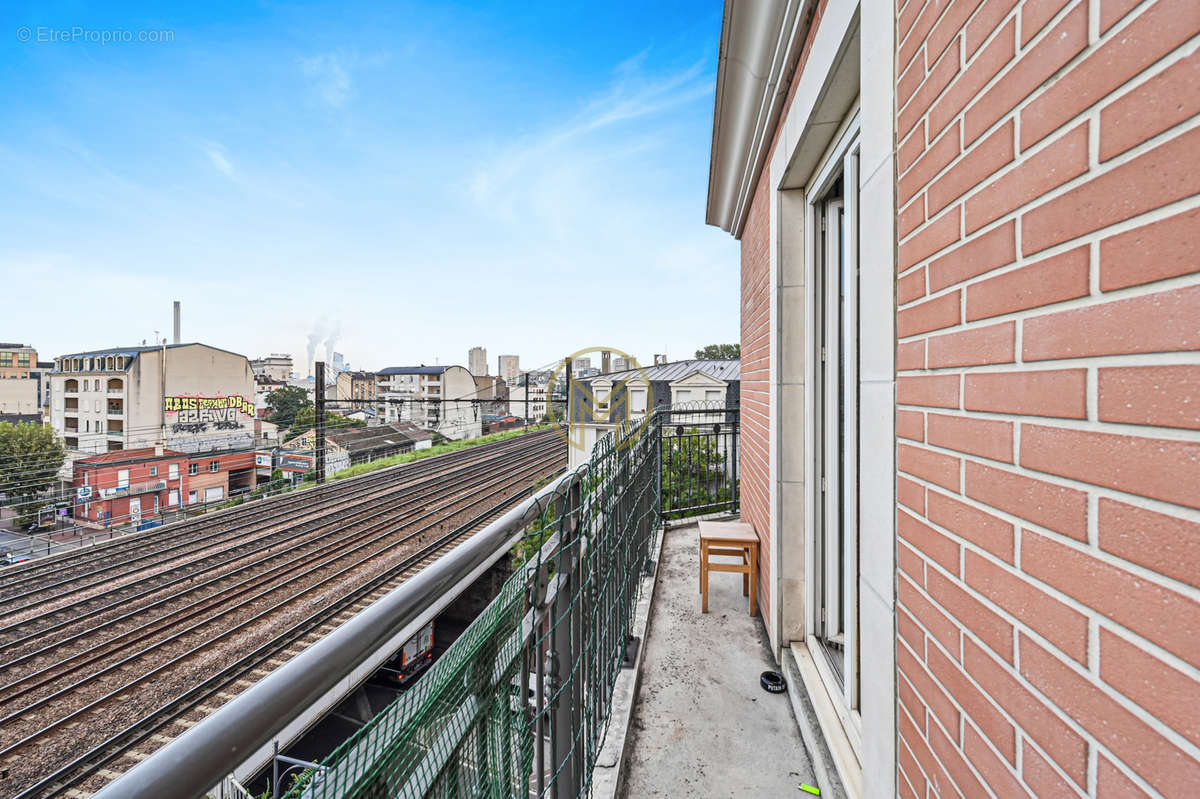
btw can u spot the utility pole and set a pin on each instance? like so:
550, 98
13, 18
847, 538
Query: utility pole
319, 426
526, 375
567, 405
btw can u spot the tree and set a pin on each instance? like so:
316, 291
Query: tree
714, 352
30, 457
307, 417
695, 477
286, 403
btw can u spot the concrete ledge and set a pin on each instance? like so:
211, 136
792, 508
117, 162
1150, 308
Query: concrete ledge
609, 774
808, 719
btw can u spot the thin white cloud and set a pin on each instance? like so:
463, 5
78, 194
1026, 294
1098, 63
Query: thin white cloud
539, 171
220, 161
330, 77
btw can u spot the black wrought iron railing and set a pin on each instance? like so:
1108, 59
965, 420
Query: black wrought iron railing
699, 445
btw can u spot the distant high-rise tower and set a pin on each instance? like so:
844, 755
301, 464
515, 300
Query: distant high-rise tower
477, 361
509, 367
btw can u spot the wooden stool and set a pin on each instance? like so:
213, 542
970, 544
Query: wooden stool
735, 539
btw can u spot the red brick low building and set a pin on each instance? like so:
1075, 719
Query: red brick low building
970, 378
130, 486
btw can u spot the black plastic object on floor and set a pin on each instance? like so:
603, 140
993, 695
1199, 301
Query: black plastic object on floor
772, 681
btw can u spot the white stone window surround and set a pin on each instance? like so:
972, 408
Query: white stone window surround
852, 53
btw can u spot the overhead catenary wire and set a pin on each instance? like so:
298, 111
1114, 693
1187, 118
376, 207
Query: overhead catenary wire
101, 446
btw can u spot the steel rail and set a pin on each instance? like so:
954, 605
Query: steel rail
51, 562
219, 523
147, 676
376, 532
187, 571
304, 678
367, 515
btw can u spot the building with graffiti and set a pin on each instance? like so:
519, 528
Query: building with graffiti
187, 397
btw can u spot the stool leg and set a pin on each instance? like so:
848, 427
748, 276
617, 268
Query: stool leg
704, 578
754, 587
745, 575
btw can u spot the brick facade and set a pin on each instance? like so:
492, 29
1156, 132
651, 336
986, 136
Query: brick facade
754, 464
1048, 318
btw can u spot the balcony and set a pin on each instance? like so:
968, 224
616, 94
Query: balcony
115, 408
495, 715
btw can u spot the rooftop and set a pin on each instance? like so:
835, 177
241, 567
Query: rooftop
135, 351
730, 369
130, 455
412, 370
356, 439
21, 418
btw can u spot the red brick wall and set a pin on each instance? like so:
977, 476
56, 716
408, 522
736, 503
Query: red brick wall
1048, 395
754, 456
754, 465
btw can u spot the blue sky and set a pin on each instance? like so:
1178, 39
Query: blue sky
415, 179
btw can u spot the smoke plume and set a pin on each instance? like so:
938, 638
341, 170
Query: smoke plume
314, 338
335, 332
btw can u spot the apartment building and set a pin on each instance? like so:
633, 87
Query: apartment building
970, 307
494, 391
509, 367
440, 399
190, 397
599, 403
477, 362
20, 395
20, 380
356, 388
528, 403
16, 360
276, 366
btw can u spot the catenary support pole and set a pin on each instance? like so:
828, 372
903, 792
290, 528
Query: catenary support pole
319, 426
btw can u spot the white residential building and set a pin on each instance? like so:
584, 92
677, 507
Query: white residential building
440, 399
276, 366
532, 412
190, 397
598, 403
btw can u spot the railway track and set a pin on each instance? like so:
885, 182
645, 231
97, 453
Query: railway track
150, 549
114, 686
18, 627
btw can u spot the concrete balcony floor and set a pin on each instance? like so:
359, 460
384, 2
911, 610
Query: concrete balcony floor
702, 725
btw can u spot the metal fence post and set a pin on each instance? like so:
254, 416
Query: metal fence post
563, 728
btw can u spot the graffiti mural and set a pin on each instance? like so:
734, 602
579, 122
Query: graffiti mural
201, 414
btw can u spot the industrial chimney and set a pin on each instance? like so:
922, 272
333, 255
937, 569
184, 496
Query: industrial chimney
176, 322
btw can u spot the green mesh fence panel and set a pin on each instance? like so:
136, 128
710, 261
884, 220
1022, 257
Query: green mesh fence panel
518, 706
